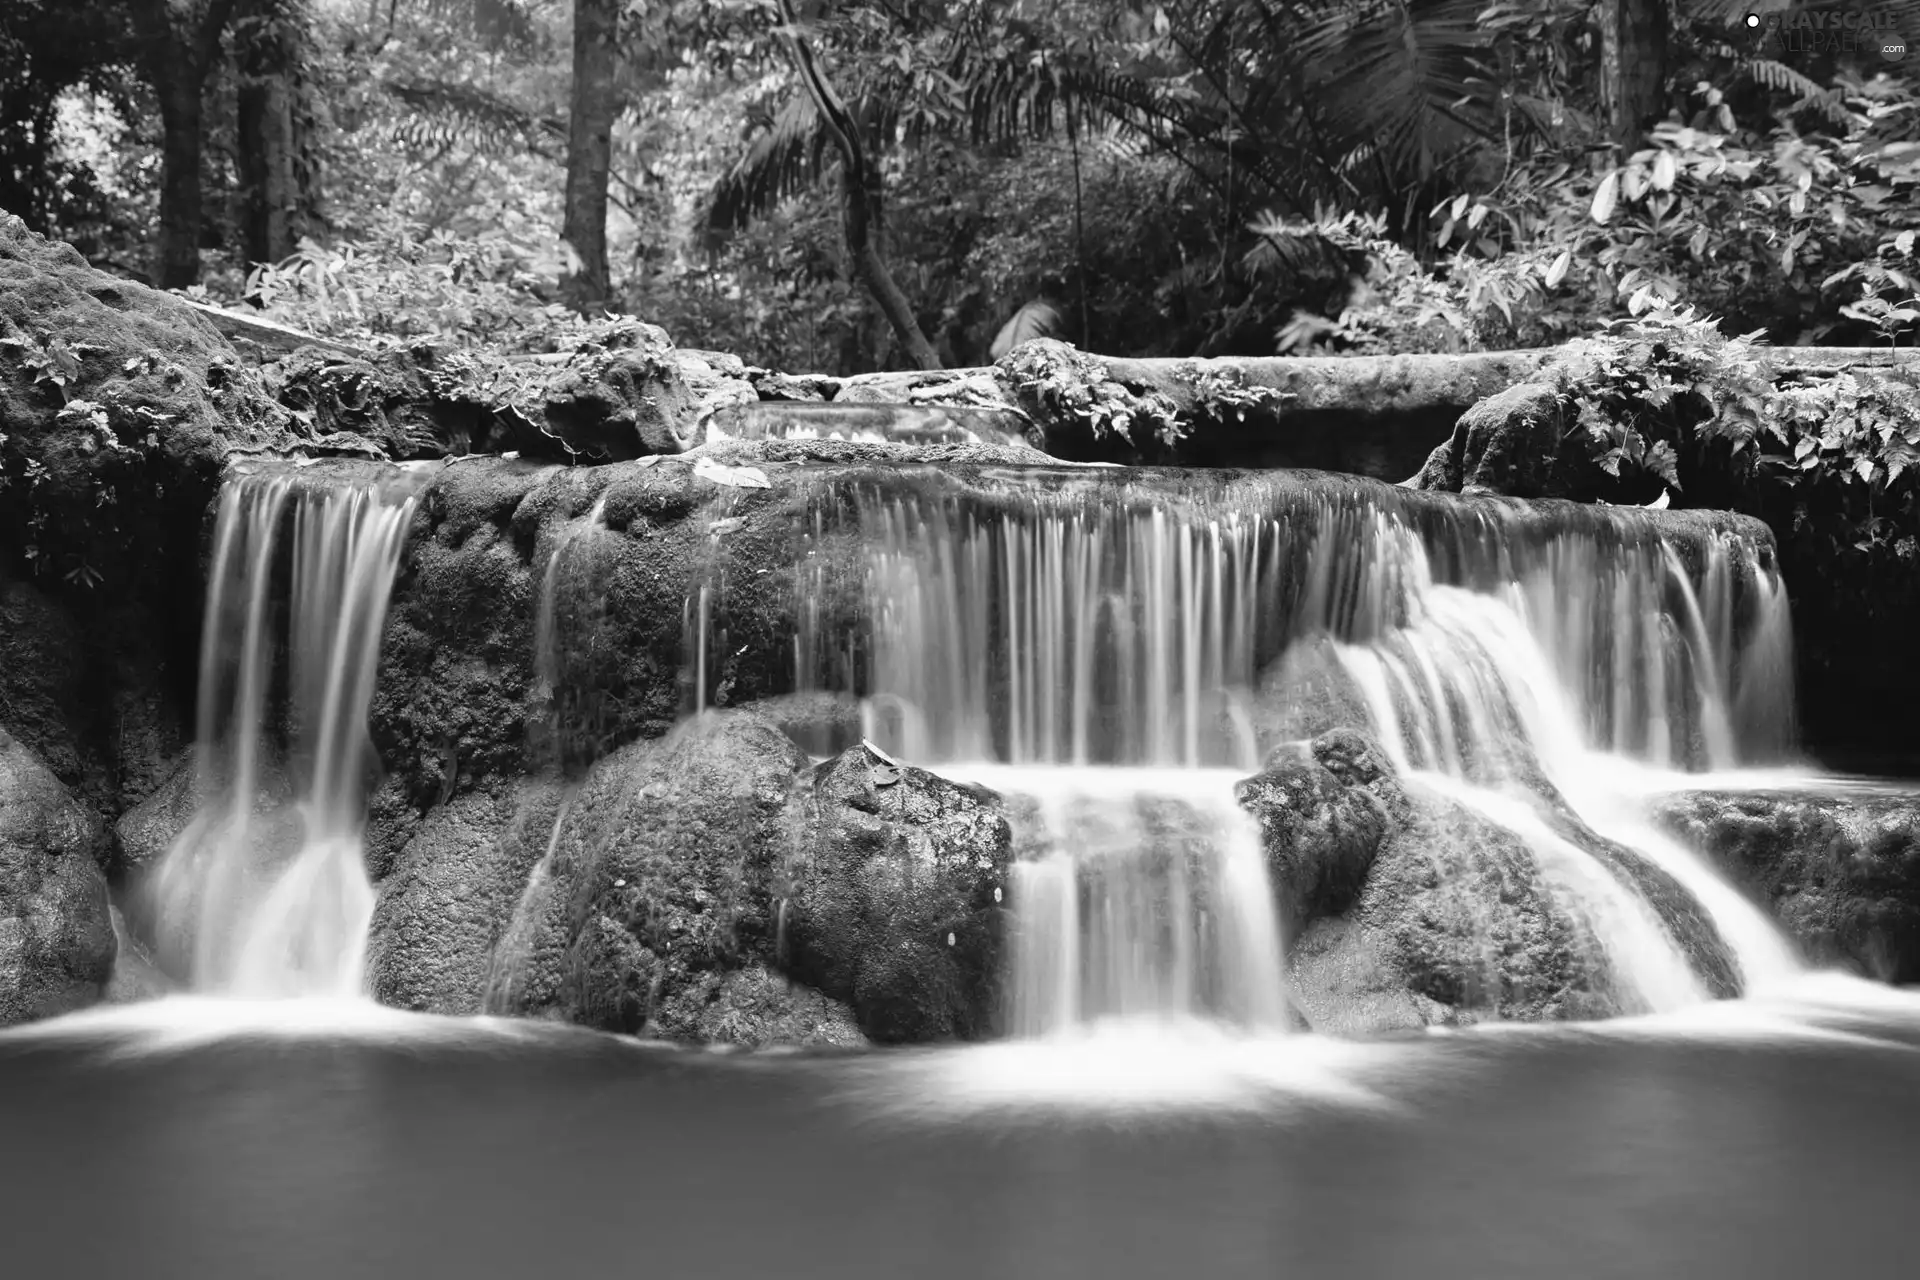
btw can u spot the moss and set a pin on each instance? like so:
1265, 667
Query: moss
895, 893
1074, 397
1841, 873
58, 940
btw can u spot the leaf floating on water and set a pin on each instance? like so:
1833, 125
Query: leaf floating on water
734, 477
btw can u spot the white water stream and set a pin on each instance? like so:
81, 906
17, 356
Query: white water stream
1104, 654
264, 906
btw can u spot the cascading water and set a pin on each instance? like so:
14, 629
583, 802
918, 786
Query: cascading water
1084, 665
260, 907
1093, 647
567, 653
1589, 655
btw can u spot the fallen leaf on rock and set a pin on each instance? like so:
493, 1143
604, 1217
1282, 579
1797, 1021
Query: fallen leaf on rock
735, 477
877, 752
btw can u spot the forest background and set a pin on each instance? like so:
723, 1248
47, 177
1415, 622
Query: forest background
866, 184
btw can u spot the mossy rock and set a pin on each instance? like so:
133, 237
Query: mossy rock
56, 934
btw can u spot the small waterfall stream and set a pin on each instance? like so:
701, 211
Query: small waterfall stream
1100, 646
1101, 649
568, 631
261, 907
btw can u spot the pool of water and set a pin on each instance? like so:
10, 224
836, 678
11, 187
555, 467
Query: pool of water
1768, 1137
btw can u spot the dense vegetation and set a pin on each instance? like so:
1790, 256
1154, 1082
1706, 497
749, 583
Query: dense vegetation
871, 183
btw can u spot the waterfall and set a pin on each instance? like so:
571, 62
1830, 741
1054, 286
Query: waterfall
276, 904
569, 663
1093, 648
1478, 694
1142, 894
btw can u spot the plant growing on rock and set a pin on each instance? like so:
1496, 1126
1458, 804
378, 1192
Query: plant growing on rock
1648, 393
1829, 456
1055, 383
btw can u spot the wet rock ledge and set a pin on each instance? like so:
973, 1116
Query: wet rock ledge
1839, 868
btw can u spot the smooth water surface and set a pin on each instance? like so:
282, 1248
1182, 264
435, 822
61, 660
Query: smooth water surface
1745, 1139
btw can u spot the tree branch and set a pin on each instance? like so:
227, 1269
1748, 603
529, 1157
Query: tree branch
863, 207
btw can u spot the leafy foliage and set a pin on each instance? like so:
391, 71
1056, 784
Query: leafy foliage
1164, 177
482, 292
1668, 403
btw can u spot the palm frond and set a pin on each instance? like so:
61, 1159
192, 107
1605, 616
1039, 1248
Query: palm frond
1398, 75
788, 154
791, 152
447, 112
1828, 102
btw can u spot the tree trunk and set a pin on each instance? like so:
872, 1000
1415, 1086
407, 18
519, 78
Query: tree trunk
180, 204
864, 202
590, 149
273, 203
181, 50
1633, 67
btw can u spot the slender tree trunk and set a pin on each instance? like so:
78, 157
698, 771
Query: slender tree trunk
1633, 67
180, 192
182, 47
865, 206
273, 202
590, 149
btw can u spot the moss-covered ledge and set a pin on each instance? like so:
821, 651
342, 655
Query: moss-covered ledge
1378, 416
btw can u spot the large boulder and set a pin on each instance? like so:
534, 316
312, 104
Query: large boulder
43, 679
1406, 906
415, 401
1510, 444
56, 933
1840, 871
623, 556
658, 888
1322, 821
118, 408
451, 701
450, 896
1456, 914
106, 716
893, 898
624, 403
